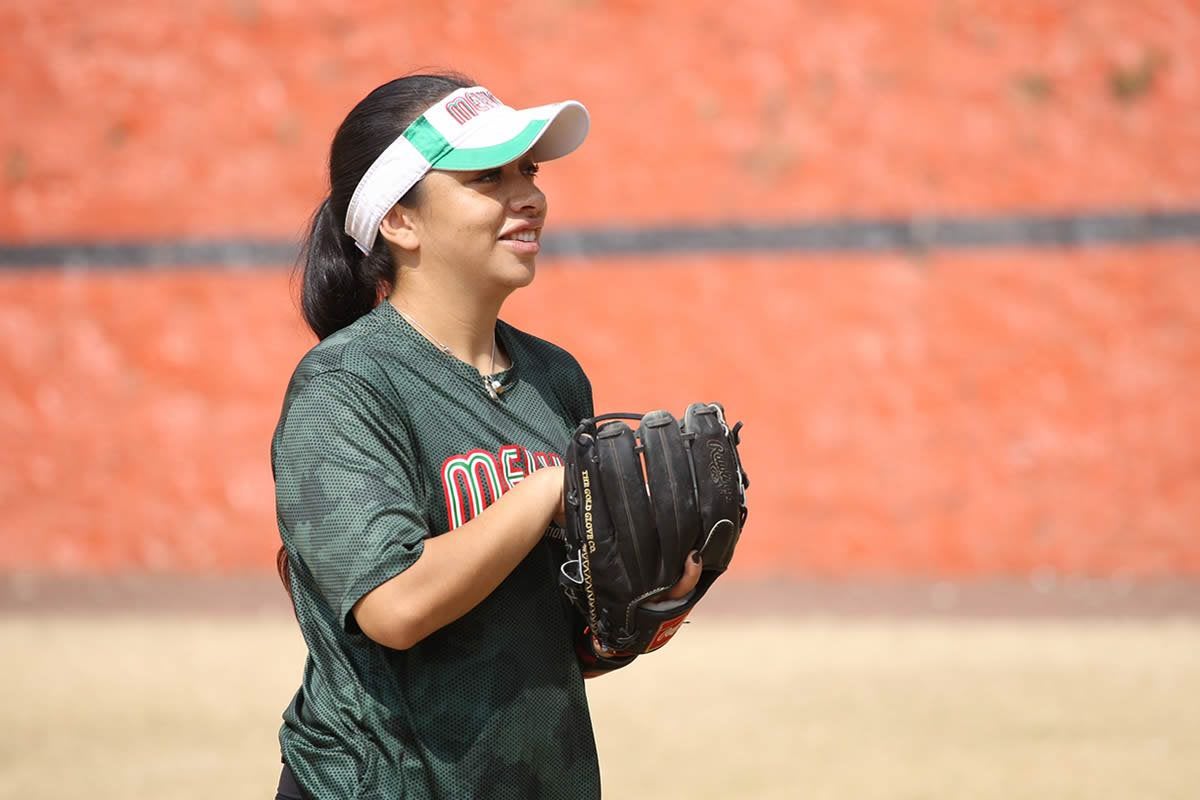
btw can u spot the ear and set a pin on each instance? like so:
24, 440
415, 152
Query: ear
399, 228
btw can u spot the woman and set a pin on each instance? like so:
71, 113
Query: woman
438, 665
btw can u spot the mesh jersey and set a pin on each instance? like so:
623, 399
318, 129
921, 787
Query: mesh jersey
383, 441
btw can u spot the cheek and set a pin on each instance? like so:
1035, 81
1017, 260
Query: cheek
456, 233
477, 217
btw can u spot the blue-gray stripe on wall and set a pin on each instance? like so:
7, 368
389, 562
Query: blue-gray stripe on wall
849, 235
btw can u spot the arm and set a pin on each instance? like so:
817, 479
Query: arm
457, 571
351, 501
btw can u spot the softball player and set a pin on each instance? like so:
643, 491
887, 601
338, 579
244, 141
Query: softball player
416, 466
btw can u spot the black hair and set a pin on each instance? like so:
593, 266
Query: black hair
339, 283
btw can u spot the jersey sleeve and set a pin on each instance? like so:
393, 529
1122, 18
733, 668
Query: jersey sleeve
348, 490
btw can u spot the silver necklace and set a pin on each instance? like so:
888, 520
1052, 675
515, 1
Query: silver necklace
492, 386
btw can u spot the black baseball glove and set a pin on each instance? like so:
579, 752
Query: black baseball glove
637, 503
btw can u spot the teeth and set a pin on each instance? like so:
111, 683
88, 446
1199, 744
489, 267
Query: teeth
524, 236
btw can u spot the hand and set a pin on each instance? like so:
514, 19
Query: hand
682, 588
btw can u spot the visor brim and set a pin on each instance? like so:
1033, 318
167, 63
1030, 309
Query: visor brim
545, 132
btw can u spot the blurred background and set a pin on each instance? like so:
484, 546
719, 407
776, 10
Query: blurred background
942, 257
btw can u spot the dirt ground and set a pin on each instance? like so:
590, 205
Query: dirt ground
187, 706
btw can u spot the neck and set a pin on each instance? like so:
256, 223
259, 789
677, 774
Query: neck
462, 321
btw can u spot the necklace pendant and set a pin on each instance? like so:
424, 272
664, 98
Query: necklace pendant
492, 386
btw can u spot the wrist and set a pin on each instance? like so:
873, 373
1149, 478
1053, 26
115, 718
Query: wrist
552, 478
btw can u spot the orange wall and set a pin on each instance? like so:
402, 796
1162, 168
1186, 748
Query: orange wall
990, 414
957, 414
128, 118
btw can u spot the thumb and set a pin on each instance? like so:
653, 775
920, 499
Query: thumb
692, 567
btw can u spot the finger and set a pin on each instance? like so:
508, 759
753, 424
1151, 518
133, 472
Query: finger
601, 650
691, 576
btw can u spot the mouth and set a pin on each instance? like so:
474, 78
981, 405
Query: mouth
531, 235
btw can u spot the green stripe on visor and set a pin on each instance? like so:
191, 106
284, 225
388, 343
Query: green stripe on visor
494, 156
426, 138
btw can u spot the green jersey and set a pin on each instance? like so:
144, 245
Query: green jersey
384, 441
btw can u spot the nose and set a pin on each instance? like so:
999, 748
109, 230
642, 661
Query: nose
526, 198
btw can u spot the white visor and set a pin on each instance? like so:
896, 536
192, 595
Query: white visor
465, 131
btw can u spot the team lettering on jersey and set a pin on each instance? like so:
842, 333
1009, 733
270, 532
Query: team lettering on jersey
473, 481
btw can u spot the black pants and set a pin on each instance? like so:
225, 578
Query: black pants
288, 788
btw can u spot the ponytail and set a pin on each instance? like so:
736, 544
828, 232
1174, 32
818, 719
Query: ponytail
339, 283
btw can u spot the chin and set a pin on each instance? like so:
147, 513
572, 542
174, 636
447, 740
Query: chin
518, 274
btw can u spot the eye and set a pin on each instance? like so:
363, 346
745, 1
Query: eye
529, 169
